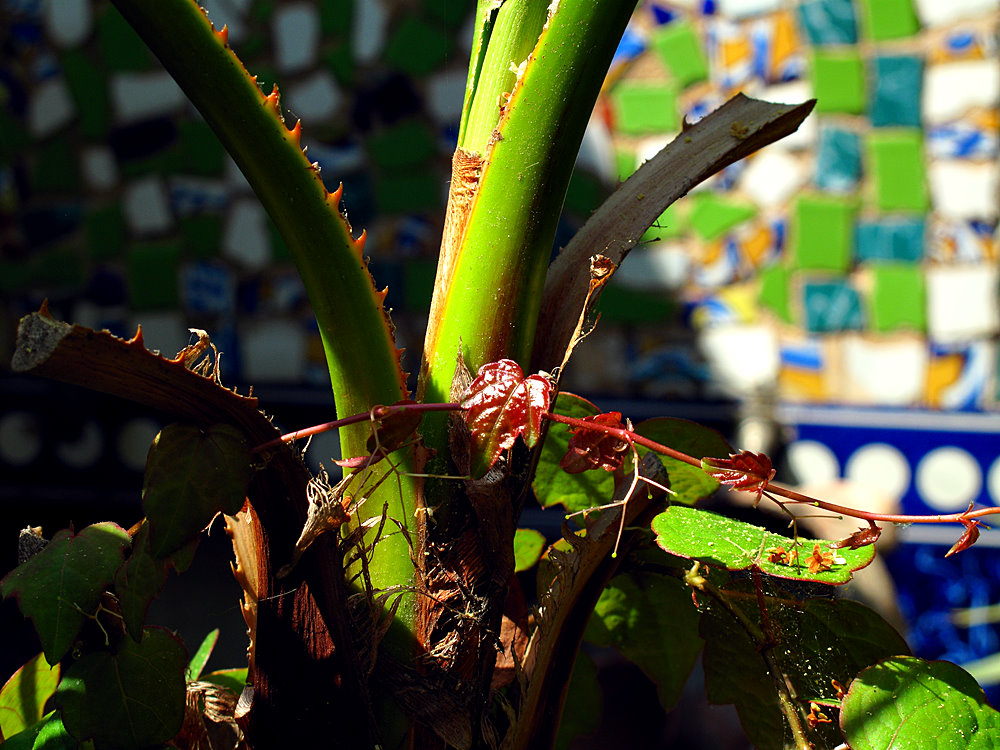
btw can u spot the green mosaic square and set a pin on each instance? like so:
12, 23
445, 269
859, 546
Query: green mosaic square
198, 150
56, 168
774, 294
152, 275
416, 47
13, 136
839, 82
340, 62
104, 230
407, 144
821, 233
63, 267
408, 193
201, 235
418, 284
585, 193
625, 163
679, 47
898, 300
642, 107
890, 19
334, 16
714, 215
897, 166
120, 46
671, 224
88, 86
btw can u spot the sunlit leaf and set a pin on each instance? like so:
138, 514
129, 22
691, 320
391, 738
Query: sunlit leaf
735, 545
138, 581
192, 474
743, 471
502, 404
131, 698
592, 449
62, 584
200, 658
582, 713
689, 483
47, 733
528, 545
652, 621
22, 698
908, 702
234, 679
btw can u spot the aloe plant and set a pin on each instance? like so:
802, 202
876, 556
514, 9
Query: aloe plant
382, 605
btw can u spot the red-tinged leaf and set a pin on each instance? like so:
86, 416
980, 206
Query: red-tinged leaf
745, 470
592, 449
968, 538
395, 429
860, 538
502, 404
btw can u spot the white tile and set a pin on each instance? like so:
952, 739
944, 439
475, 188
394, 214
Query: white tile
234, 177
962, 302
743, 357
939, 12
743, 8
139, 96
658, 266
100, 171
886, 372
68, 22
296, 36
162, 332
597, 152
313, 99
147, 206
445, 92
965, 190
51, 107
793, 92
368, 29
273, 351
772, 177
952, 89
246, 237
228, 13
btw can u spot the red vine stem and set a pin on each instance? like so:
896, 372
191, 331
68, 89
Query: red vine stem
777, 489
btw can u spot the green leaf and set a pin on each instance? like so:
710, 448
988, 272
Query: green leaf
138, 581
200, 658
552, 485
62, 584
909, 702
234, 679
47, 733
131, 698
735, 545
192, 474
652, 621
582, 712
818, 641
528, 546
690, 483
22, 698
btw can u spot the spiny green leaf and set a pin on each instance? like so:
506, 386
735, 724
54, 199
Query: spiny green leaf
652, 621
528, 545
138, 581
131, 698
735, 545
582, 713
200, 658
61, 585
689, 483
22, 698
909, 702
192, 474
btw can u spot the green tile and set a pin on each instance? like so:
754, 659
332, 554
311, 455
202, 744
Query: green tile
335, 16
104, 230
407, 144
120, 46
17, 275
897, 166
62, 267
642, 108
417, 47
152, 275
890, 19
88, 86
416, 192
201, 235
831, 306
585, 193
714, 215
451, 13
774, 291
821, 233
56, 168
198, 150
340, 62
620, 305
839, 82
625, 163
679, 47
13, 136
671, 224
418, 284
898, 299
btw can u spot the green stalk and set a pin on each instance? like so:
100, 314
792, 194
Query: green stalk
360, 352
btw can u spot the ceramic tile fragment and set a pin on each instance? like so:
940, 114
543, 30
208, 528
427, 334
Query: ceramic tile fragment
195, 195
368, 30
896, 96
88, 86
963, 139
889, 19
642, 107
679, 47
959, 376
777, 50
838, 162
140, 96
120, 46
104, 230
890, 240
952, 89
152, 275
829, 21
208, 288
744, 8
897, 299
713, 215
885, 372
794, 92
839, 81
97, 164
744, 358
804, 369
964, 190
315, 98
656, 266
147, 207
417, 47
774, 293
822, 232
962, 302
673, 223
897, 165
246, 239
772, 177
407, 144
445, 91
50, 108
938, 13
68, 22
831, 306
295, 28
162, 331
962, 241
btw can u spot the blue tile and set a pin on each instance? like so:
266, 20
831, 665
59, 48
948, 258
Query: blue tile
831, 306
829, 21
896, 100
893, 240
838, 164
208, 288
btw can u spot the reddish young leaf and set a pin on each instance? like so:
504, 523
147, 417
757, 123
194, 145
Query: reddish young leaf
500, 405
859, 538
968, 538
743, 471
592, 449
395, 428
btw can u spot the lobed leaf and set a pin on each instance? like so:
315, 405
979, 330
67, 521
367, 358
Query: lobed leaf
593, 449
745, 470
61, 585
191, 475
908, 702
130, 698
23, 696
47, 733
501, 404
724, 542
138, 581
528, 546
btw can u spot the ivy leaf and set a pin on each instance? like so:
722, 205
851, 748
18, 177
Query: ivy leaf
904, 701
688, 483
23, 696
633, 614
130, 698
62, 584
743, 471
138, 581
47, 733
528, 546
234, 679
592, 449
715, 540
502, 404
191, 475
